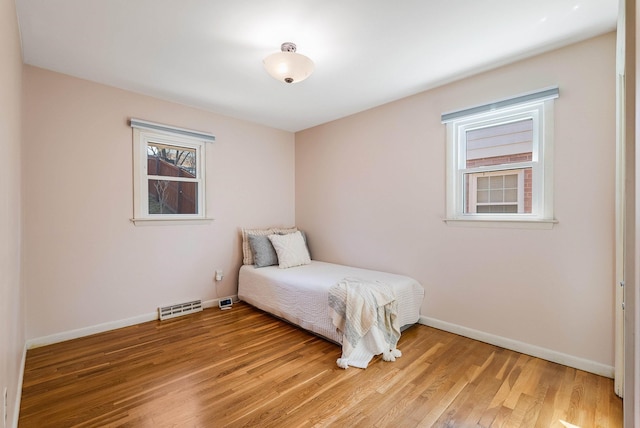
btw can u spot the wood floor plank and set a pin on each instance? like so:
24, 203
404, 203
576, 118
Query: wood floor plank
244, 368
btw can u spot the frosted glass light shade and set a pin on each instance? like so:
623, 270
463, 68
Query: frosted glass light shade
289, 67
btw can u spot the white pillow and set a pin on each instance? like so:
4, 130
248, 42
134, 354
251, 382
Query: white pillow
247, 254
291, 250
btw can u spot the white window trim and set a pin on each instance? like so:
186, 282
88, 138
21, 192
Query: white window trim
542, 199
146, 132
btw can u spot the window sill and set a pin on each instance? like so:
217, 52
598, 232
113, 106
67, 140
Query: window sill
501, 223
169, 221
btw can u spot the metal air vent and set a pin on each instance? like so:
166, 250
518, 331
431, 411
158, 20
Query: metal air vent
180, 309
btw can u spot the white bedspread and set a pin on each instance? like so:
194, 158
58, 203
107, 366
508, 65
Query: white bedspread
366, 312
300, 294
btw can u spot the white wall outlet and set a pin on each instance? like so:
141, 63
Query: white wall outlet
219, 275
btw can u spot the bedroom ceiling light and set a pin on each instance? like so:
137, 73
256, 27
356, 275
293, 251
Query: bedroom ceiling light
288, 66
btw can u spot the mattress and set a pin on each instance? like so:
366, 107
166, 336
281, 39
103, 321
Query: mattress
300, 294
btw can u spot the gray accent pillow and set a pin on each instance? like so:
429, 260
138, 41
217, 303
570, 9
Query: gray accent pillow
263, 252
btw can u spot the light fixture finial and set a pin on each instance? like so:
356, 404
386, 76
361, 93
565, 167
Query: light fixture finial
288, 47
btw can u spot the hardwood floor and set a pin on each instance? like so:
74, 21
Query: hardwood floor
243, 367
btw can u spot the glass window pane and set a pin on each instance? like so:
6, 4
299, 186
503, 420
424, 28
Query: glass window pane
171, 161
500, 144
496, 196
497, 209
173, 197
496, 182
483, 182
511, 181
483, 196
511, 195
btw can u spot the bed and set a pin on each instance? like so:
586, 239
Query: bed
279, 277
300, 294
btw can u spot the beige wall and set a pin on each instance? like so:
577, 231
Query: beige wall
370, 192
85, 262
12, 314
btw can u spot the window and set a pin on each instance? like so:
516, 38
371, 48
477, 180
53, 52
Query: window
169, 172
499, 161
496, 192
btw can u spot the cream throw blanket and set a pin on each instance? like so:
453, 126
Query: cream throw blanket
366, 312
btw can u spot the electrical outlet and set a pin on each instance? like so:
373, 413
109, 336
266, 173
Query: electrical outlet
219, 275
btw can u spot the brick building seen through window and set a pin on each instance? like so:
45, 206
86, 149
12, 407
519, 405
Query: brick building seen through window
506, 186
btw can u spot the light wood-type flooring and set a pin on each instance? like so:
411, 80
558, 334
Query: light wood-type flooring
242, 367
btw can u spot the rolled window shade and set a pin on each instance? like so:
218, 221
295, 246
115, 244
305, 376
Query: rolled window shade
540, 95
143, 124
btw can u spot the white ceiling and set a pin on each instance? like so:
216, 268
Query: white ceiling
208, 53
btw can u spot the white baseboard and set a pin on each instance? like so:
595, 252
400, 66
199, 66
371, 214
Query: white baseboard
525, 348
88, 331
111, 325
16, 408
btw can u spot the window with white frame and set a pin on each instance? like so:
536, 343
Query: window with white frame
500, 160
496, 192
169, 172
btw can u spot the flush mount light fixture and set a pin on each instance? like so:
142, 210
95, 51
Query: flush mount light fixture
288, 66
